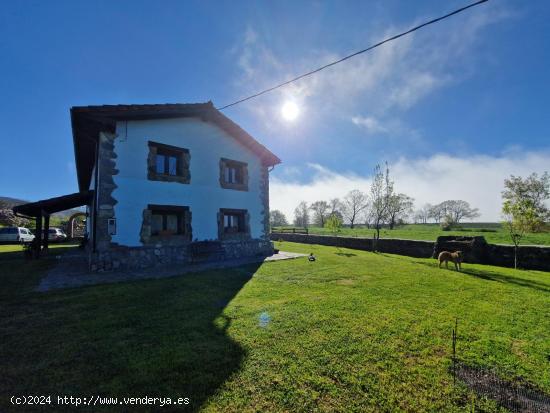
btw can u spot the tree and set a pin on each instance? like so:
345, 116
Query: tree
519, 217
277, 219
354, 202
422, 215
529, 194
380, 191
399, 207
437, 213
320, 212
453, 211
333, 224
301, 215
9, 219
458, 209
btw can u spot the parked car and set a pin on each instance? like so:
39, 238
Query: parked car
15, 234
56, 235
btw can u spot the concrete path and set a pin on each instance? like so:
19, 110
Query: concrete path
72, 271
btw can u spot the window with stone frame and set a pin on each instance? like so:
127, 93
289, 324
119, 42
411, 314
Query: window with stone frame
233, 174
166, 223
168, 163
233, 224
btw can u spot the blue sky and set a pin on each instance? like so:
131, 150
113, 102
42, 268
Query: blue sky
454, 108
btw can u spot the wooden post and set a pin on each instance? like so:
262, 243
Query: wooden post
46, 235
37, 236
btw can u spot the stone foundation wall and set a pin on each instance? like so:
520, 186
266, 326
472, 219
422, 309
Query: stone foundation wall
476, 249
131, 258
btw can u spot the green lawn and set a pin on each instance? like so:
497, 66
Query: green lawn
352, 331
493, 233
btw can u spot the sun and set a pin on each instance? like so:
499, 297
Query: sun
290, 111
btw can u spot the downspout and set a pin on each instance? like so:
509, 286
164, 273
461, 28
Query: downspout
94, 211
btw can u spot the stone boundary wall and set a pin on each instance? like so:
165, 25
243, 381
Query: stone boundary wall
412, 248
529, 257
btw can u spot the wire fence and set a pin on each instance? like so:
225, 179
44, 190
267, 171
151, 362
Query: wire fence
516, 396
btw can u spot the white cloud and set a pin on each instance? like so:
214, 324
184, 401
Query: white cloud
477, 179
370, 124
380, 83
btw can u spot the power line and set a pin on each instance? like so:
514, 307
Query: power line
397, 36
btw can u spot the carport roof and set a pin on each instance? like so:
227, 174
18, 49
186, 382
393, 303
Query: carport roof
52, 205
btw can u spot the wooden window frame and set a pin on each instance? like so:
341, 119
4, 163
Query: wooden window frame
244, 224
242, 167
182, 156
183, 213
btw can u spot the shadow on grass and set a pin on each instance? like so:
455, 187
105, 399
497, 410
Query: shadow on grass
503, 278
156, 338
491, 275
11, 255
345, 254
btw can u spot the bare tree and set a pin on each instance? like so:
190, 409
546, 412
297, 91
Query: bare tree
422, 215
437, 213
277, 219
354, 202
301, 215
320, 212
380, 191
458, 209
453, 211
334, 205
399, 207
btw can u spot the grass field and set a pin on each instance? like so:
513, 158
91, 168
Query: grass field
493, 232
352, 331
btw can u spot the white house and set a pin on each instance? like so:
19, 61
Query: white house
170, 183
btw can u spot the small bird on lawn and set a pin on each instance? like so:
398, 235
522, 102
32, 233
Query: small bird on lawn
311, 257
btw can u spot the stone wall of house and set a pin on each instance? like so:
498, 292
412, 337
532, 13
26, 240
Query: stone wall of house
106, 185
476, 249
264, 197
131, 258
247, 248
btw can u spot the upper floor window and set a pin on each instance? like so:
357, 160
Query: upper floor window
168, 163
233, 174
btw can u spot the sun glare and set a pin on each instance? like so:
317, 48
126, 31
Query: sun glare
290, 111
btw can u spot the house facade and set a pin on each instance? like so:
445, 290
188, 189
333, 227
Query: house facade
171, 183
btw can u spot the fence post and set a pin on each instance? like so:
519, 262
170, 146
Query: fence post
455, 329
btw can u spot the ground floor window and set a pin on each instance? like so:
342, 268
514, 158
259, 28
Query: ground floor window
233, 222
169, 220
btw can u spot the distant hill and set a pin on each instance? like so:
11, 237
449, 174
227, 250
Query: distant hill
11, 202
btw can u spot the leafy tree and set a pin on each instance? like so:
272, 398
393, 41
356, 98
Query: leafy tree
354, 202
320, 212
333, 223
301, 215
519, 217
399, 207
529, 194
277, 219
